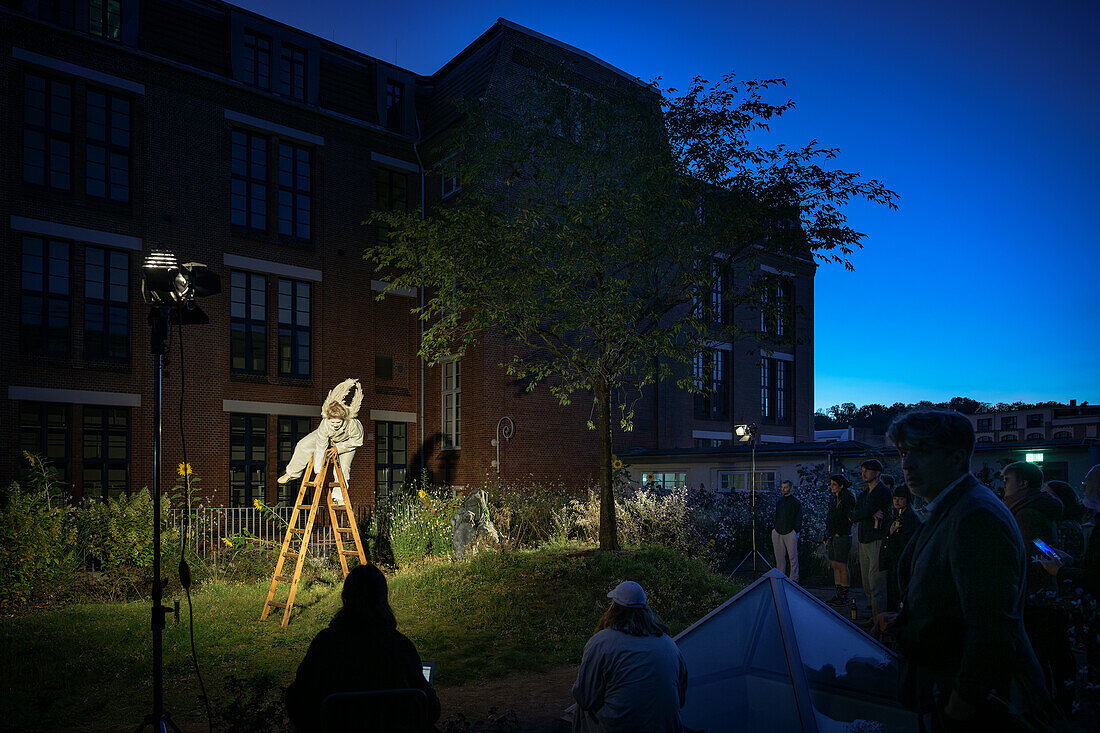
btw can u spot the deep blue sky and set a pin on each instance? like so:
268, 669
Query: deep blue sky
982, 114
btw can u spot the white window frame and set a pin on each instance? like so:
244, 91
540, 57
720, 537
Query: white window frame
451, 414
762, 481
447, 174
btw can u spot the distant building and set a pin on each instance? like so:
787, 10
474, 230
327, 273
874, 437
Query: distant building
1075, 422
259, 149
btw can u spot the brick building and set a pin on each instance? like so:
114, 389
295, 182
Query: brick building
258, 150
1065, 422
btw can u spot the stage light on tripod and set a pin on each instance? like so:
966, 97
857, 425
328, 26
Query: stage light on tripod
167, 284
745, 433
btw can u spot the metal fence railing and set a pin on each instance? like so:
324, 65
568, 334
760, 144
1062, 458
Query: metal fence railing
212, 526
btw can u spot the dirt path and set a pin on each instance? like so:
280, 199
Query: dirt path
538, 698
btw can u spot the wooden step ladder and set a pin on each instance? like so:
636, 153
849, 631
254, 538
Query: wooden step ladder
300, 535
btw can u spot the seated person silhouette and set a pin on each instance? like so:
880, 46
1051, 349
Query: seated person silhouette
361, 651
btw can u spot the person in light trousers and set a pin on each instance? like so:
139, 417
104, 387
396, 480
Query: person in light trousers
788, 521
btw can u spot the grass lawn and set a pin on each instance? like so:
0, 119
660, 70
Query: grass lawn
88, 665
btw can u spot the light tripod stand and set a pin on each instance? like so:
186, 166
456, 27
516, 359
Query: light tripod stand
747, 433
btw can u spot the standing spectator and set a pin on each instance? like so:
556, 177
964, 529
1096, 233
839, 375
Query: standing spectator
1035, 510
788, 521
1086, 573
360, 651
903, 526
871, 517
969, 664
632, 676
838, 535
1069, 535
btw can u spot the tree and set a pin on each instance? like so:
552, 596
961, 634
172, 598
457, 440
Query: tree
597, 229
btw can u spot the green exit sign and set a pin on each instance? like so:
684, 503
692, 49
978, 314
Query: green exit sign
1034, 458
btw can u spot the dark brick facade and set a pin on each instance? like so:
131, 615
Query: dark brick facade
177, 63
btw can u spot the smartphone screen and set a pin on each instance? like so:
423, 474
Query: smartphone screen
1045, 548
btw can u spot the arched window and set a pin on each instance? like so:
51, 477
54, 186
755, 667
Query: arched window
1063, 434
1034, 436
985, 439
1007, 438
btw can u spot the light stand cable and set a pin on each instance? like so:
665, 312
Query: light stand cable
185, 571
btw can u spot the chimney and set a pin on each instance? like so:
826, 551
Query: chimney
1073, 403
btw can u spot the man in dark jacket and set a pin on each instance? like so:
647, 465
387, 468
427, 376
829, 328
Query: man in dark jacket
872, 517
969, 664
788, 520
1035, 510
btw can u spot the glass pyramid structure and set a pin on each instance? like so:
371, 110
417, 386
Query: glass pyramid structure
774, 657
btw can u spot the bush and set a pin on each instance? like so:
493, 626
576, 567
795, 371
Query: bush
118, 533
37, 560
419, 525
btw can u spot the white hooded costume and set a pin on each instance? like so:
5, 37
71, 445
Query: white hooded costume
345, 435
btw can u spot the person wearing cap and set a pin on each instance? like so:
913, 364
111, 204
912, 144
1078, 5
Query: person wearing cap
838, 535
903, 526
871, 516
632, 676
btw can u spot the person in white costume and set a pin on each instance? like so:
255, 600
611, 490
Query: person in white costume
339, 428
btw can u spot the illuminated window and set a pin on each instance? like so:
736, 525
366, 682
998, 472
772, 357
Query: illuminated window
452, 404
105, 19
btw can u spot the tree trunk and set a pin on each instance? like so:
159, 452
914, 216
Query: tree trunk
609, 532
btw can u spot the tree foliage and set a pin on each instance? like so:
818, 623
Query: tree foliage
595, 225
878, 417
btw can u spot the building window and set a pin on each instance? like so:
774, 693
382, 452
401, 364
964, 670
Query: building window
105, 19
985, 439
106, 305
777, 316
712, 442
107, 165
47, 132
1061, 434
289, 431
985, 423
294, 328
712, 373
716, 310
1008, 423
390, 460
247, 458
775, 391
257, 60
106, 459
665, 481
61, 12
452, 404
44, 317
292, 72
1035, 421
395, 107
391, 194
742, 481
1008, 437
449, 173
383, 367
1034, 436
44, 431
248, 193
248, 322
294, 191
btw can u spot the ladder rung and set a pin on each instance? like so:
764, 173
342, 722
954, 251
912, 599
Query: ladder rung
295, 530
304, 506
291, 554
350, 552
284, 578
343, 529
276, 604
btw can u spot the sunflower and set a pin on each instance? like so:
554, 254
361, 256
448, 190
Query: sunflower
422, 493
256, 503
616, 463
227, 542
184, 469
